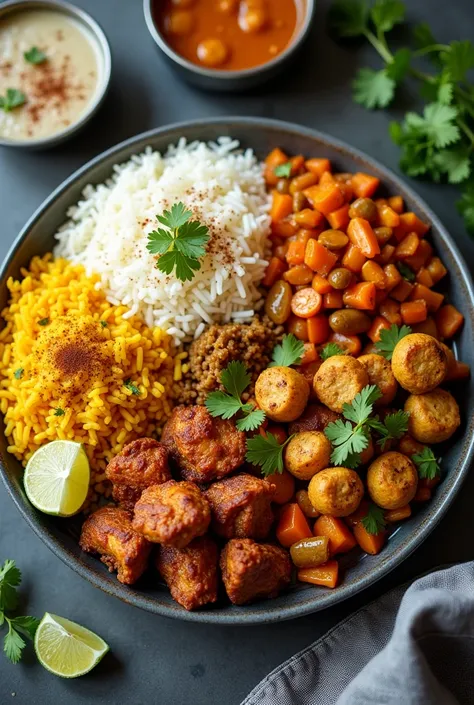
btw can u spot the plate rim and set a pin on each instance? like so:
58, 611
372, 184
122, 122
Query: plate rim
266, 614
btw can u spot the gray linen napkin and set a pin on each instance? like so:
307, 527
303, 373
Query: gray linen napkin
424, 655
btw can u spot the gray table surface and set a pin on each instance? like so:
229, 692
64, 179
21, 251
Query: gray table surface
154, 660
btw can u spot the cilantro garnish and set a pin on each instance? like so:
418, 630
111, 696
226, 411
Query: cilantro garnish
329, 350
13, 643
394, 426
266, 452
132, 387
35, 56
235, 379
104, 324
427, 464
406, 272
18, 374
43, 322
59, 412
389, 339
374, 520
13, 98
288, 353
179, 246
283, 170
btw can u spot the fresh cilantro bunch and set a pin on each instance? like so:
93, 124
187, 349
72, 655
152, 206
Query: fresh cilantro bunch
235, 379
389, 339
181, 245
267, 452
374, 520
288, 353
438, 142
18, 627
427, 464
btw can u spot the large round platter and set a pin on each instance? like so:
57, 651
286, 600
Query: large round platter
261, 135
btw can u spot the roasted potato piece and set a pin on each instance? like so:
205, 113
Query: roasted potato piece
338, 380
191, 572
251, 571
336, 491
241, 507
141, 463
392, 480
203, 448
109, 532
380, 373
419, 363
307, 453
172, 514
282, 393
434, 416
314, 418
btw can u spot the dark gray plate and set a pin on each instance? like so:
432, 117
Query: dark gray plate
361, 571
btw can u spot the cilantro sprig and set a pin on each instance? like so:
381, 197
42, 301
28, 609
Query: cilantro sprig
406, 272
132, 387
18, 627
266, 452
12, 99
427, 464
329, 350
438, 142
35, 56
374, 520
181, 245
389, 339
394, 426
288, 353
235, 379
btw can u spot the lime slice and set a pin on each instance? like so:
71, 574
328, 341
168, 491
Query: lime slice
57, 478
67, 649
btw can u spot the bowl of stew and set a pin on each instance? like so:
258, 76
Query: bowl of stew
229, 45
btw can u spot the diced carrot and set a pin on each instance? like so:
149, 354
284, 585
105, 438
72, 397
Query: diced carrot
327, 178
407, 247
292, 526
318, 166
346, 190
424, 277
299, 183
430, 483
274, 271
326, 198
309, 218
350, 343
297, 164
421, 256
281, 250
392, 276
360, 296
380, 202
390, 310
339, 220
414, 311
393, 515
333, 299
340, 537
310, 354
318, 329
306, 302
282, 206
321, 285
427, 327
353, 258
387, 217
373, 272
361, 235
326, 574
379, 323
364, 185
359, 514
370, 543
284, 228
304, 235
380, 296
448, 321
319, 258
386, 254
299, 274
436, 268
402, 291
433, 298
274, 159
409, 222
295, 253
298, 327
423, 494
396, 204
459, 370
284, 486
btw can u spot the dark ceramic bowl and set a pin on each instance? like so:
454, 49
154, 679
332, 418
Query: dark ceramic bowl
221, 80
360, 571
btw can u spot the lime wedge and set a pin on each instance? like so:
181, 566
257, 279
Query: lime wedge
57, 478
67, 649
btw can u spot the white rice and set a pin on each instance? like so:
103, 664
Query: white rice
223, 187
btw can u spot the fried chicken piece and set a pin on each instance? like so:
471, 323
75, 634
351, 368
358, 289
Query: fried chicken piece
141, 463
172, 514
109, 532
251, 571
241, 507
203, 448
191, 572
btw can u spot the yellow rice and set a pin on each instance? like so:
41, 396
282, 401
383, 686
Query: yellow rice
105, 414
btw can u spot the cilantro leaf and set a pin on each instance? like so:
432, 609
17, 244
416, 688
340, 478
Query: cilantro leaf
445, 93
104, 324
18, 374
131, 387
235, 378
266, 452
59, 412
398, 68
373, 89
252, 421
435, 124
10, 578
13, 98
26, 625
455, 163
329, 350
159, 241
394, 426
374, 520
423, 36
35, 56
176, 217
386, 14
13, 645
192, 239
458, 59
43, 322
349, 18
223, 405
427, 464
288, 353
362, 404
348, 442
406, 272
283, 170
465, 206
389, 339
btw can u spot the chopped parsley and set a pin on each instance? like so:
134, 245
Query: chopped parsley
131, 387
35, 56
18, 374
59, 412
43, 322
283, 170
